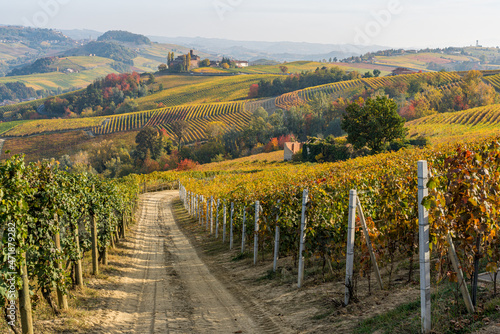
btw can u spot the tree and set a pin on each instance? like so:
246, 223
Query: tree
373, 124
179, 127
476, 92
188, 61
376, 73
151, 79
205, 63
148, 140
368, 75
214, 131
162, 67
284, 69
225, 66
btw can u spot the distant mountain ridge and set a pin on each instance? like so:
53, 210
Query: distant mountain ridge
82, 34
279, 51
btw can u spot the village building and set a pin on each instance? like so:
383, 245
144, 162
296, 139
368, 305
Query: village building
179, 61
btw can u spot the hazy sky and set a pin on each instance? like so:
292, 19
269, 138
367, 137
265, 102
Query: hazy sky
394, 23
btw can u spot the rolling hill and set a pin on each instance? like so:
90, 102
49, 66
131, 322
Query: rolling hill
449, 127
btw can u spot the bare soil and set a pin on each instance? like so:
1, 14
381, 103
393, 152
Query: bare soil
166, 288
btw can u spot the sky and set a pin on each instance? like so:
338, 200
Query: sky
393, 23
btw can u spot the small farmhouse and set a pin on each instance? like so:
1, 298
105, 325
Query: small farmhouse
241, 63
291, 149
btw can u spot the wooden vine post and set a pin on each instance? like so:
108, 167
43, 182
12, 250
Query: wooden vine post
351, 225
302, 240
78, 262
243, 230
256, 233
212, 215
231, 227
124, 223
460, 276
207, 214
95, 254
62, 299
224, 216
424, 250
369, 243
276, 241
24, 299
217, 219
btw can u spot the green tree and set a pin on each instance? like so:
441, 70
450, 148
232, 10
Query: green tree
374, 124
179, 128
376, 73
151, 79
148, 140
205, 63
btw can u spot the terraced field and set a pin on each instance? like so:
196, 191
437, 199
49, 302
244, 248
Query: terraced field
494, 80
445, 127
197, 126
120, 123
376, 83
231, 114
308, 93
268, 104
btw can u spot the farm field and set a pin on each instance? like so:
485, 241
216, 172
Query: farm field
458, 126
9, 51
217, 89
231, 114
146, 64
55, 80
494, 80
420, 61
50, 125
300, 97
173, 81
6, 126
45, 146
443, 77
303, 66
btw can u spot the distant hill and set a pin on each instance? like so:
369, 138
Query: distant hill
124, 37
110, 50
279, 51
264, 62
42, 65
80, 34
33, 37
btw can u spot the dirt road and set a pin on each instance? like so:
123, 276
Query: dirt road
166, 288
